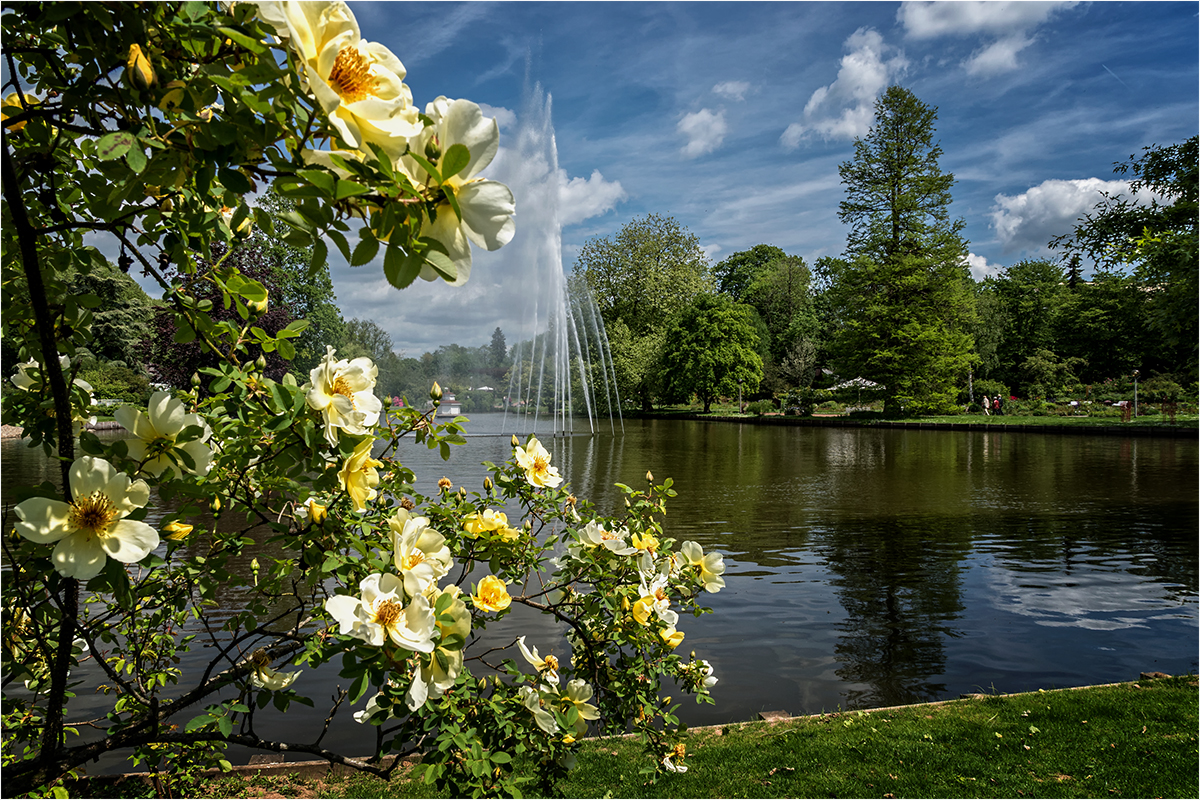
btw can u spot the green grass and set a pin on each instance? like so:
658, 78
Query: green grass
1129, 740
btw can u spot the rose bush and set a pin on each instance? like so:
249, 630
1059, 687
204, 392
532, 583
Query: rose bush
284, 501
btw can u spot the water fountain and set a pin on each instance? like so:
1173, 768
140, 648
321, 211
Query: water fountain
562, 367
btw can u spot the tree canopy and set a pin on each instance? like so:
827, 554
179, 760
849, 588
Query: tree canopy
642, 278
903, 306
710, 349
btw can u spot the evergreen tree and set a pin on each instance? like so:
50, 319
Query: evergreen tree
499, 350
902, 291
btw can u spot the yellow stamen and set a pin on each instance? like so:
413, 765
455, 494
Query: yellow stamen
412, 560
93, 513
351, 76
342, 386
388, 612
551, 663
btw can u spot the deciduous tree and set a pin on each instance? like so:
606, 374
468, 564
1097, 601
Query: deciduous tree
643, 276
710, 350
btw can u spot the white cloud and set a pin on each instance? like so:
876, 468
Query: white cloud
928, 20
704, 129
999, 56
734, 90
845, 108
1007, 23
504, 117
980, 268
583, 198
1028, 221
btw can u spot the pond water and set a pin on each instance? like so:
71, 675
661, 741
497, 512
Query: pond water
879, 567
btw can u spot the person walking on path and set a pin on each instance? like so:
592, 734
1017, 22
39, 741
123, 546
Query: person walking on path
986, 403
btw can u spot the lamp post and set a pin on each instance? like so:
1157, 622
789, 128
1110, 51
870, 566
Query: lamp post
739, 397
1135, 404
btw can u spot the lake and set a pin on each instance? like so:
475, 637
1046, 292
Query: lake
879, 567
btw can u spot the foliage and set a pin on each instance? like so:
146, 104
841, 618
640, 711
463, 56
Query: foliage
114, 381
710, 351
174, 355
735, 274
760, 407
155, 125
904, 310
643, 277
1156, 238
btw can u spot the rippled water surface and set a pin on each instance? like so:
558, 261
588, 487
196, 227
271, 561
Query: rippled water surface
869, 567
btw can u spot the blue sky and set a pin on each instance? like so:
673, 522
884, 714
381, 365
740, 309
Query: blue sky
733, 118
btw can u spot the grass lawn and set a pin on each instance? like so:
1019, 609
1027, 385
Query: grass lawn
1128, 740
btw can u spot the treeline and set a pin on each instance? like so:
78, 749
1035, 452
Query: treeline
899, 308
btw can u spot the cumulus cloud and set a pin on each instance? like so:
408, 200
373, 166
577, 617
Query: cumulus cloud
845, 108
1028, 221
734, 90
705, 130
980, 268
1006, 24
584, 198
504, 117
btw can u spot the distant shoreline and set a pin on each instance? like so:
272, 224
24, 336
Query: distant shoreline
1163, 431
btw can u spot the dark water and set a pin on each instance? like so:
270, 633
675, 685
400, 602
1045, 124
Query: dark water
869, 567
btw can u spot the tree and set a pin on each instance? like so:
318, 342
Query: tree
643, 277
902, 291
122, 319
735, 274
174, 359
1156, 241
498, 353
1029, 297
710, 350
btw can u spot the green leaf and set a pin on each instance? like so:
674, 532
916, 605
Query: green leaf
251, 290
501, 757
136, 159
225, 724
345, 188
342, 245
286, 349
430, 168
114, 145
184, 334
198, 722
233, 180
358, 689
437, 257
294, 328
368, 247
245, 40
324, 181
320, 253
399, 268
454, 160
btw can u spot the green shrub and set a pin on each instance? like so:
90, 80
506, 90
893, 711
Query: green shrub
760, 407
115, 381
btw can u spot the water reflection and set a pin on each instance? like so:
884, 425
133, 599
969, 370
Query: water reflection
869, 567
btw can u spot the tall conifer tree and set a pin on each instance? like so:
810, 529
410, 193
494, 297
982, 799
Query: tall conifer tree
902, 289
